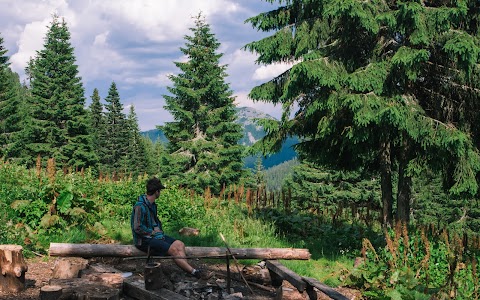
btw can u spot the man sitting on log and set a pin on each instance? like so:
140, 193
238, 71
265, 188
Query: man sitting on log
148, 235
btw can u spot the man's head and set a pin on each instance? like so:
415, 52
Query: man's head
153, 185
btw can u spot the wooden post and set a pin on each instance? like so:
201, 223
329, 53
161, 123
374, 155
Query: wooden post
155, 279
13, 267
228, 273
50, 292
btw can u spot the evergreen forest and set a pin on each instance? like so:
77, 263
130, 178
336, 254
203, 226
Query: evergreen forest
382, 96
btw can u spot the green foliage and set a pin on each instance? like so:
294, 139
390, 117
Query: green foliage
464, 50
177, 209
318, 189
276, 175
44, 205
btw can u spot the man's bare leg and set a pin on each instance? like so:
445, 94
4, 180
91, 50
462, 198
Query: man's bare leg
178, 249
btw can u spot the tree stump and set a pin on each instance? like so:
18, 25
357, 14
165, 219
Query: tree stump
155, 279
13, 267
50, 292
68, 268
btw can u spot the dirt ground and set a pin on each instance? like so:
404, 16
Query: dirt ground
40, 272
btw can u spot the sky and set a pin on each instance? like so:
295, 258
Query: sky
135, 43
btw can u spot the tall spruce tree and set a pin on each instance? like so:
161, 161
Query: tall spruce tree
389, 86
57, 120
96, 116
203, 136
10, 106
136, 156
115, 136
97, 122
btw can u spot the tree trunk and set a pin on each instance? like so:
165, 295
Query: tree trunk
116, 250
404, 187
13, 267
386, 184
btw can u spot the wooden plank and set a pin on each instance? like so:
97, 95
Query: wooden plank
135, 288
102, 268
330, 292
287, 274
117, 250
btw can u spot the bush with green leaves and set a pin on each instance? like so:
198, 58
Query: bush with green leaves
417, 264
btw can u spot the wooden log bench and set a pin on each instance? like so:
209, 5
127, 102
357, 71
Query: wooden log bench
279, 272
117, 250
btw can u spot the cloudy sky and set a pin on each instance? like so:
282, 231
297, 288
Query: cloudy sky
135, 42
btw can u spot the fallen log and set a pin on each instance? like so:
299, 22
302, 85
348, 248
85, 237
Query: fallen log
116, 250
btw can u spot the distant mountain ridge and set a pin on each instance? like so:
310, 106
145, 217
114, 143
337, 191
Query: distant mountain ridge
252, 131
251, 134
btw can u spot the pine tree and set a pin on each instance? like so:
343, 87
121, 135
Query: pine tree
96, 116
387, 86
136, 156
154, 152
57, 120
203, 138
10, 106
97, 123
115, 135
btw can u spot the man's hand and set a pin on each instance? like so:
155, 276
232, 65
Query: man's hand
158, 235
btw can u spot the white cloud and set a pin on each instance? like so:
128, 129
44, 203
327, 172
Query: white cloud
101, 39
160, 79
150, 111
265, 73
161, 20
240, 65
26, 11
29, 41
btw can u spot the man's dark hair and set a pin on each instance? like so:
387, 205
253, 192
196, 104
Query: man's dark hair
154, 184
